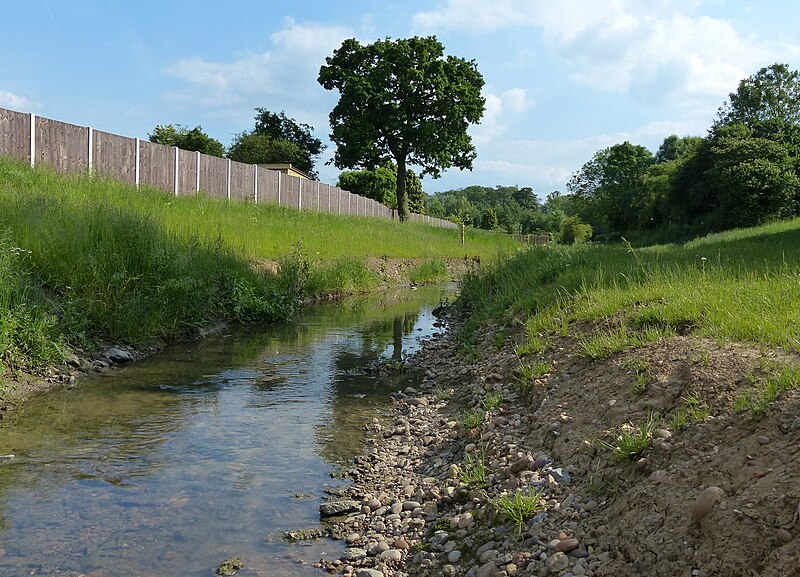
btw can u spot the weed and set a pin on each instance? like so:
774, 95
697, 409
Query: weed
519, 507
472, 419
602, 486
631, 441
440, 393
492, 401
641, 368
475, 471
779, 379
527, 373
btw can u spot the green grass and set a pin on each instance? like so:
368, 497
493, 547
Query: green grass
740, 286
692, 409
472, 419
429, 271
631, 441
492, 401
475, 471
520, 507
779, 379
87, 260
527, 373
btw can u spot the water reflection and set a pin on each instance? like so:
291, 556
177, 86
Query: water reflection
172, 465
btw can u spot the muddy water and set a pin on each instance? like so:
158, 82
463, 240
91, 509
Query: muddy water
207, 451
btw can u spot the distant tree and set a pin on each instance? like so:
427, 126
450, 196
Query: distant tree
574, 231
277, 139
188, 139
489, 220
402, 101
608, 185
768, 102
674, 148
254, 148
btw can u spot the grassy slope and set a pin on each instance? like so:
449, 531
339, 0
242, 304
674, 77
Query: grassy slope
85, 259
742, 285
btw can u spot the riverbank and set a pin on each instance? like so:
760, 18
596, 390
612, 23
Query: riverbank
591, 467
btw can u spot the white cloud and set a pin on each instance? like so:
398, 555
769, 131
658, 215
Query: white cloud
656, 51
15, 101
499, 107
288, 70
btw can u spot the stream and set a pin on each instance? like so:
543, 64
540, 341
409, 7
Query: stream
205, 451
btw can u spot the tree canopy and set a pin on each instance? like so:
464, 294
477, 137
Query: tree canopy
381, 185
402, 101
277, 138
188, 139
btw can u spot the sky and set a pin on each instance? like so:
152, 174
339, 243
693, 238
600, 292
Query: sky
563, 78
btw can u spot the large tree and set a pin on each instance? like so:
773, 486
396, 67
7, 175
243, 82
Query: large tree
277, 138
381, 185
188, 139
402, 101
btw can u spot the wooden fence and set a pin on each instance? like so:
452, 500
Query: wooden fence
70, 148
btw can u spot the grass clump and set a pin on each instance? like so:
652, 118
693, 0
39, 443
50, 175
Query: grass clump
527, 373
429, 271
642, 375
692, 409
475, 471
492, 401
631, 441
472, 419
520, 507
779, 379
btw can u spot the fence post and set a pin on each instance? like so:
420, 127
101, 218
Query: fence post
299, 193
175, 168
318, 207
255, 183
197, 180
90, 143
279, 189
138, 158
229, 178
33, 140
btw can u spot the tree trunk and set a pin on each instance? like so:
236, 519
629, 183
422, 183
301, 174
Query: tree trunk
402, 198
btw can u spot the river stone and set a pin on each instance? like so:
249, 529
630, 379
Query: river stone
557, 562
485, 547
488, 555
705, 502
561, 476
567, 545
783, 536
368, 573
453, 556
119, 356
487, 570
391, 555
353, 553
332, 508
230, 566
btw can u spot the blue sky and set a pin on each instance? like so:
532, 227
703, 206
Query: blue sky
563, 79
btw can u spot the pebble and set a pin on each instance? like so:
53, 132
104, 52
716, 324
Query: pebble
705, 502
332, 508
453, 556
391, 555
368, 573
567, 545
557, 562
783, 536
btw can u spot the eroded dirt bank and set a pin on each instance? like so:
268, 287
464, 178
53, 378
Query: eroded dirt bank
716, 491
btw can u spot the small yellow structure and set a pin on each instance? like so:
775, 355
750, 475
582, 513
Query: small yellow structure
286, 168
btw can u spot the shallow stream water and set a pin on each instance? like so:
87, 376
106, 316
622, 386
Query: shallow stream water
205, 451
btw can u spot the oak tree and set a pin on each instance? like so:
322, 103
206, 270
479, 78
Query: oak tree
402, 101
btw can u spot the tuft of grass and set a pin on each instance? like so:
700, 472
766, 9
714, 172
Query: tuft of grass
472, 419
492, 401
602, 486
520, 507
475, 471
641, 370
631, 441
429, 271
779, 379
528, 372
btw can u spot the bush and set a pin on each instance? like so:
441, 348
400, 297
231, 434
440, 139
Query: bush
574, 231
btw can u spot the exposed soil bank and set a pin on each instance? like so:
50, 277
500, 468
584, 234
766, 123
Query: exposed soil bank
715, 493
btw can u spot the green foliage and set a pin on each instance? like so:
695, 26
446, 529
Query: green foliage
277, 139
489, 220
779, 379
574, 231
187, 139
527, 373
692, 409
641, 370
475, 471
379, 184
429, 271
492, 401
520, 507
472, 419
402, 101
631, 441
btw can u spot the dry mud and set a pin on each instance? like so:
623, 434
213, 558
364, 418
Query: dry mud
714, 495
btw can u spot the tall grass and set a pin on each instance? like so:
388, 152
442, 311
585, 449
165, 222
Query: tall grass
741, 285
88, 259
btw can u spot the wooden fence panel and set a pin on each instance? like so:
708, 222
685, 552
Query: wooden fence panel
242, 176
214, 176
308, 190
326, 198
156, 165
114, 156
267, 186
290, 190
187, 173
63, 146
15, 134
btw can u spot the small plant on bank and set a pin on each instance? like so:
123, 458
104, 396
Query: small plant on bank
641, 368
527, 373
691, 410
519, 507
780, 378
440, 393
631, 441
472, 419
430, 271
492, 401
602, 486
475, 471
